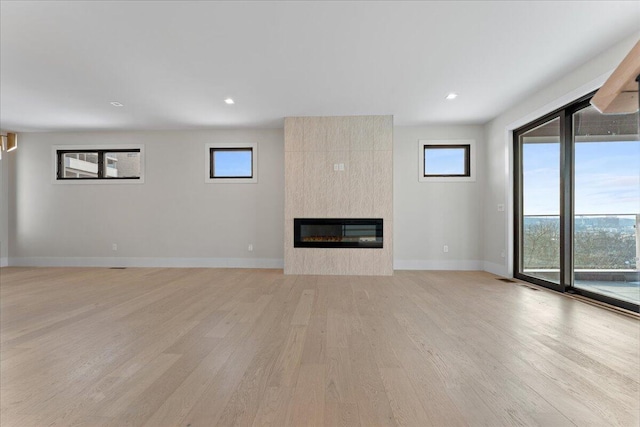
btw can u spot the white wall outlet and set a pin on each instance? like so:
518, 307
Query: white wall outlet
250, 249
341, 166
502, 255
445, 248
500, 207
114, 246
335, 167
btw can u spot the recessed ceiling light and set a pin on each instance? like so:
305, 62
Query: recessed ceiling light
452, 96
116, 104
229, 101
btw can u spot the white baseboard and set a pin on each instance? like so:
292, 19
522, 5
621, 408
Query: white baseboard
146, 262
497, 269
419, 264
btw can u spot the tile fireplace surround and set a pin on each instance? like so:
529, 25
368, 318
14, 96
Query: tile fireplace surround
339, 167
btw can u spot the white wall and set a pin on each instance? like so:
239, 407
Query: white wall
498, 226
173, 219
431, 215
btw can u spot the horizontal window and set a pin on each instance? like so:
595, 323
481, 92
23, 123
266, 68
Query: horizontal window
98, 164
231, 163
447, 161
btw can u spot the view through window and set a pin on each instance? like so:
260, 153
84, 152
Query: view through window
98, 164
446, 160
231, 162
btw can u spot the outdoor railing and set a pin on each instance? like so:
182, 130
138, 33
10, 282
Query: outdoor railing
602, 242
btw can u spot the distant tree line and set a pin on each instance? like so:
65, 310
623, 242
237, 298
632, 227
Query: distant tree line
593, 248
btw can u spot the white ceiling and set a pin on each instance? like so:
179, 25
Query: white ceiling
172, 64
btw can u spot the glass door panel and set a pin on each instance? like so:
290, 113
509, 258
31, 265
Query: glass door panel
606, 204
539, 219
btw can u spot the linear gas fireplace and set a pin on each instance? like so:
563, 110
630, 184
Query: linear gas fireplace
337, 233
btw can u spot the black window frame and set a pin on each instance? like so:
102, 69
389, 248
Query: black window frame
101, 164
467, 160
212, 150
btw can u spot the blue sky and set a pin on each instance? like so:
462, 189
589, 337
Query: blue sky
607, 178
444, 161
232, 163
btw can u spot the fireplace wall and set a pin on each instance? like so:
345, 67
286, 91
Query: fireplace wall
339, 167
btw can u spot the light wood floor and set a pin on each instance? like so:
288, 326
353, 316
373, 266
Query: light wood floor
205, 347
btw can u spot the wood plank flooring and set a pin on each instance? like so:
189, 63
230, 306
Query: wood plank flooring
220, 347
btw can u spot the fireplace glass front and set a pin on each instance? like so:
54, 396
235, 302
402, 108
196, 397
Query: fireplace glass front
337, 232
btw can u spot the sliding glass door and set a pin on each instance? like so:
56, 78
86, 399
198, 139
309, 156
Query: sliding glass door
577, 213
607, 204
539, 223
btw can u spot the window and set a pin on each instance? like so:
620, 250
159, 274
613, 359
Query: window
231, 163
447, 161
98, 164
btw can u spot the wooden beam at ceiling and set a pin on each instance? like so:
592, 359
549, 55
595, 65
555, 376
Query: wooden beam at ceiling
12, 141
619, 94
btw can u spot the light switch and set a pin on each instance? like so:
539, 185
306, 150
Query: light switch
500, 207
335, 166
341, 166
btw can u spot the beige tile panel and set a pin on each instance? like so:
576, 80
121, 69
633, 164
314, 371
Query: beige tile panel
338, 192
288, 232
383, 258
315, 134
315, 260
294, 184
315, 184
383, 184
294, 260
383, 267
293, 257
361, 186
364, 189
293, 133
361, 133
383, 133
361, 261
337, 261
338, 133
